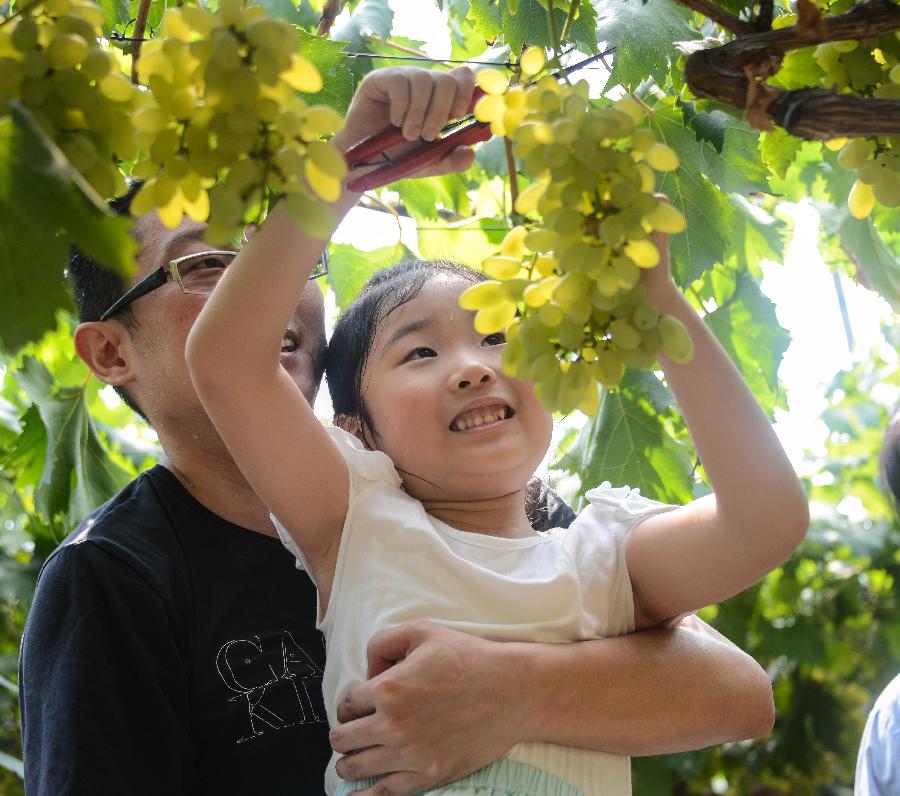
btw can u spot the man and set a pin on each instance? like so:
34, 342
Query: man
171, 647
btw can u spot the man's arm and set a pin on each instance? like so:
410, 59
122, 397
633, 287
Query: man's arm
102, 687
452, 702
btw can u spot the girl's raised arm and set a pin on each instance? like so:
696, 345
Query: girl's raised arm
233, 350
718, 545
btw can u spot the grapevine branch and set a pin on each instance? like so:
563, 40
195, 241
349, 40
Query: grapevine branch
730, 74
139, 26
329, 14
720, 16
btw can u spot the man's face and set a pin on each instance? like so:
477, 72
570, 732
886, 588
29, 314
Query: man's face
162, 385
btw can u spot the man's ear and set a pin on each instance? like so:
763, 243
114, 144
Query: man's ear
105, 347
351, 425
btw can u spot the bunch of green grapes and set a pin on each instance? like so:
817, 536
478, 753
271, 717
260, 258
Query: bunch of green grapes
225, 133
870, 69
51, 61
566, 287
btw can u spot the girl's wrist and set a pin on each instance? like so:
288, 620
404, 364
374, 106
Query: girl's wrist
668, 299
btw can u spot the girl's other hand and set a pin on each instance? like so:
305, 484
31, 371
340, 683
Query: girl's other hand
419, 101
661, 288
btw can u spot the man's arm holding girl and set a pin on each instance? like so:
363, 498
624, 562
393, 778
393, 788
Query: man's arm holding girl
454, 702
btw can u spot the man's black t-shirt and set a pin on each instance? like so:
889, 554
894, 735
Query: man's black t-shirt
171, 652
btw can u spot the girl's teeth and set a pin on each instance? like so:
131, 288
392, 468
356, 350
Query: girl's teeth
480, 420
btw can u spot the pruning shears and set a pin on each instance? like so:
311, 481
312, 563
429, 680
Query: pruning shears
461, 132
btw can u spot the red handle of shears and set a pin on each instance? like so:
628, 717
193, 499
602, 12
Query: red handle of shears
389, 137
421, 157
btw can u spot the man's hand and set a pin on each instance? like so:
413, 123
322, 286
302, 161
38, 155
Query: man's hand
419, 101
420, 718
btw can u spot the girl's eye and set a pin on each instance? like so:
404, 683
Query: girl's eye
423, 353
498, 338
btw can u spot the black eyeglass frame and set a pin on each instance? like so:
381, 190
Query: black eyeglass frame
161, 275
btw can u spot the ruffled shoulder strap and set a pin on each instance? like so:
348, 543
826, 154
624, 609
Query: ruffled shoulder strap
622, 503
370, 465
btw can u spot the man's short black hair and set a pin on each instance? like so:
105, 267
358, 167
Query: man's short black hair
95, 287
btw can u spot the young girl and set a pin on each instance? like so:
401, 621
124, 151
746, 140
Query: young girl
414, 506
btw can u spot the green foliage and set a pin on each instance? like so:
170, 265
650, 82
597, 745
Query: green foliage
349, 268
645, 36
825, 625
45, 206
629, 443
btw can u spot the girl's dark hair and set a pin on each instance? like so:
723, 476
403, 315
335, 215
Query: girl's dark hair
889, 462
351, 343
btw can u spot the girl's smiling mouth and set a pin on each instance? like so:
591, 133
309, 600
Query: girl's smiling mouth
481, 416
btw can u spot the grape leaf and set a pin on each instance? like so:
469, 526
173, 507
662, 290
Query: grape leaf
26, 453
487, 18
726, 152
35, 175
118, 15
748, 329
491, 156
627, 444
349, 268
798, 70
301, 14
369, 18
424, 197
78, 475
709, 219
530, 25
756, 236
644, 35
470, 244
778, 150
329, 58
862, 243
45, 205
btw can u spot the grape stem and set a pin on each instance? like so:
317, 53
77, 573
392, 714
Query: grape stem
515, 217
573, 10
554, 33
139, 26
395, 45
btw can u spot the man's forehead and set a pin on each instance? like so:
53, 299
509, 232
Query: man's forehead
159, 244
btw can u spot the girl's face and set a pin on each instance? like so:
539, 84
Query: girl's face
455, 426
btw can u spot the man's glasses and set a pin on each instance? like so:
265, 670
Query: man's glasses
196, 274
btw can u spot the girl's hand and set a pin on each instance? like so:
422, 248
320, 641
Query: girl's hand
419, 101
661, 288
